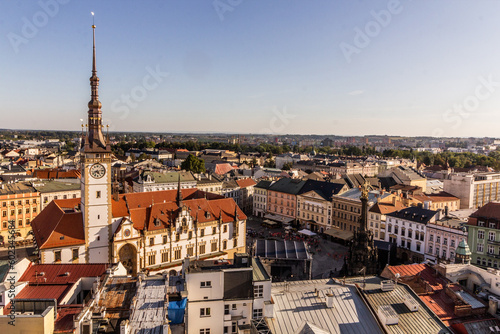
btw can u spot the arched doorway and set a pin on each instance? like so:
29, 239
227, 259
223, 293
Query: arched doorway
172, 272
128, 257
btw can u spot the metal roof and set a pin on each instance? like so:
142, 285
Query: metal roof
296, 303
422, 321
282, 249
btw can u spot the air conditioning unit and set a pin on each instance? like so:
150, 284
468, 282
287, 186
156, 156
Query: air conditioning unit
388, 315
411, 303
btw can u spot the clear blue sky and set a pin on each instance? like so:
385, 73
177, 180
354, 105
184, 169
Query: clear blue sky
234, 64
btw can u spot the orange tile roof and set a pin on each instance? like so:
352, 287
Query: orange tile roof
221, 169
57, 174
59, 225
64, 322
385, 208
248, 182
425, 271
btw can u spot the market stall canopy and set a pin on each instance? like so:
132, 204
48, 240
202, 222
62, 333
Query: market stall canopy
338, 233
307, 232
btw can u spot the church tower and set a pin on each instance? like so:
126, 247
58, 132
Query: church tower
96, 179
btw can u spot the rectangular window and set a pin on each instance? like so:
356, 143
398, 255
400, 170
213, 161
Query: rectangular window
164, 257
4, 213
165, 239
224, 229
57, 256
205, 331
177, 254
480, 234
202, 249
98, 194
235, 242
206, 284
27, 201
214, 230
491, 249
151, 259
151, 241
190, 251
258, 291
480, 247
226, 309
202, 232
205, 312
491, 236
75, 253
257, 313
214, 247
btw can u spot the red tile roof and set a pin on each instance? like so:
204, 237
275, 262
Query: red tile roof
44, 292
243, 183
425, 271
221, 169
56, 273
59, 224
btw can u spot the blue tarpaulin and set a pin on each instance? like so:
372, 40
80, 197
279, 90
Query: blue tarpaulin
176, 311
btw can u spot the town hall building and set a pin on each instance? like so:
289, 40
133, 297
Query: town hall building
151, 231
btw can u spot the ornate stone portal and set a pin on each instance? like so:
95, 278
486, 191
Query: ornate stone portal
363, 256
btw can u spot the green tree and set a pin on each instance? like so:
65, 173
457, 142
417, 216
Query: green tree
193, 164
287, 166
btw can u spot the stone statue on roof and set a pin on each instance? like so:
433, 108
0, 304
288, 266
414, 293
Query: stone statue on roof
365, 190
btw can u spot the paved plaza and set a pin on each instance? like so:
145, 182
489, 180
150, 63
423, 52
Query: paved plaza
327, 255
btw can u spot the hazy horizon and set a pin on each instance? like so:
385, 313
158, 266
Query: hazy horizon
347, 68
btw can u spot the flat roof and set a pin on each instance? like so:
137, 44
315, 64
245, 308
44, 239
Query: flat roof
296, 304
259, 273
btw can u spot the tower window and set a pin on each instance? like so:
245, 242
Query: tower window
98, 194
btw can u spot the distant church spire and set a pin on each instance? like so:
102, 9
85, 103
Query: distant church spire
95, 138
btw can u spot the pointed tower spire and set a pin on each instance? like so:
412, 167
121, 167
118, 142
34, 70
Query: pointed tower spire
95, 138
179, 193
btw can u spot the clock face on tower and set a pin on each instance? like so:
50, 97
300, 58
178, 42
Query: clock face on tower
97, 171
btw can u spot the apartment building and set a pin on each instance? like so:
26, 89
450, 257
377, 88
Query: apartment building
407, 228
346, 207
442, 239
260, 198
225, 296
484, 235
19, 204
474, 190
